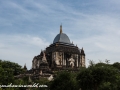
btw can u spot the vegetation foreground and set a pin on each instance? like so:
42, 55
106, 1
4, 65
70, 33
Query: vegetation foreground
100, 76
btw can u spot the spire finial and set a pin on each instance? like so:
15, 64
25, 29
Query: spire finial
82, 48
25, 67
60, 28
44, 57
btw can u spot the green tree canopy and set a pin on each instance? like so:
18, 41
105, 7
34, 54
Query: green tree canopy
64, 81
98, 75
116, 65
8, 70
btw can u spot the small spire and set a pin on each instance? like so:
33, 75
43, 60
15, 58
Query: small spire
60, 28
44, 57
72, 42
25, 67
82, 51
41, 51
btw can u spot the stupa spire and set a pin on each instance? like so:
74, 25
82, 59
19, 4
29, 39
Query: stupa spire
44, 57
25, 67
82, 48
60, 28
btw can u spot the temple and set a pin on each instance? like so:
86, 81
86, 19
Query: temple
60, 55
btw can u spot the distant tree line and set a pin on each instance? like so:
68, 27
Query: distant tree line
100, 76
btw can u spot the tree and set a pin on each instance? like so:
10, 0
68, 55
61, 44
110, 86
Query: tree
8, 70
64, 81
96, 76
91, 63
116, 65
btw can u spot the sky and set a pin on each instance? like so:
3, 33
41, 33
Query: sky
29, 26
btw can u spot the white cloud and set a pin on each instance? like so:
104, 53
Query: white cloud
21, 48
100, 47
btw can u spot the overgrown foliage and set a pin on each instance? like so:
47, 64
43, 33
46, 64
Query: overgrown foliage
100, 76
64, 81
8, 70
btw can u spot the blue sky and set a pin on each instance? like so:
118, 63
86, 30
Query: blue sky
27, 26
